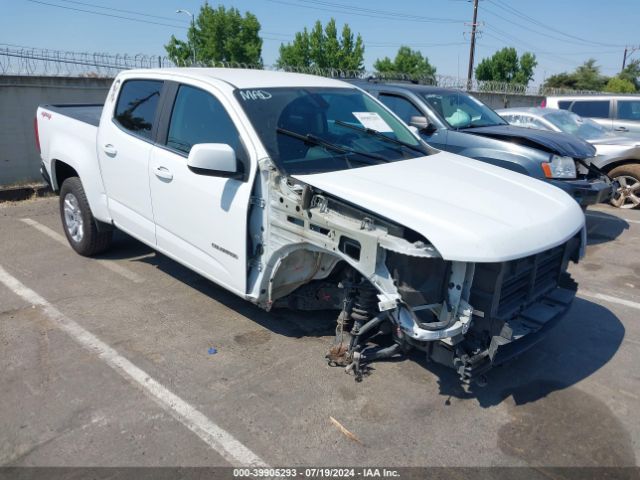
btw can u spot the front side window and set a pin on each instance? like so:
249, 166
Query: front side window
317, 129
137, 105
629, 109
591, 108
401, 107
460, 110
199, 117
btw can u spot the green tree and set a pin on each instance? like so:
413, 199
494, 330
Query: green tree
632, 73
561, 80
619, 85
586, 77
505, 66
324, 48
406, 61
219, 35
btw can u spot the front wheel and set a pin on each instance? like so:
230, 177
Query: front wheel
628, 195
78, 221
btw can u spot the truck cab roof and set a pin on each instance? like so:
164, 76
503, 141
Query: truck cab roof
241, 77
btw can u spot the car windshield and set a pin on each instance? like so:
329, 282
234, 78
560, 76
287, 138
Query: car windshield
460, 110
576, 125
315, 130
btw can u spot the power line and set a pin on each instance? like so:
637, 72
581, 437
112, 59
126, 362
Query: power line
515, 12
139, 20
119, 10
546, 35
366, 12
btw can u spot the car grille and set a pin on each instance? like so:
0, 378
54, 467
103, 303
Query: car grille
502, 290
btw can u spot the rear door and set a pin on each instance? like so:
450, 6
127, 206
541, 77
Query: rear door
124, 146
201, 220
599, 110
627, 116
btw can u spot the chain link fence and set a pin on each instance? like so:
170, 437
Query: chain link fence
19, 60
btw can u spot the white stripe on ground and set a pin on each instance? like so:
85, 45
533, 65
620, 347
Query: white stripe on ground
609, 298
611, 217
216, 437
110, 264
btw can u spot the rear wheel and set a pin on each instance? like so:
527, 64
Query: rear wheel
628, 195
78, 221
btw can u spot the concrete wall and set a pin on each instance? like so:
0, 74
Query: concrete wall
508, 100
19, 98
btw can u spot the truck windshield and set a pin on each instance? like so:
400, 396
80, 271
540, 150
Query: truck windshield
575, 125
460, 110
315, 130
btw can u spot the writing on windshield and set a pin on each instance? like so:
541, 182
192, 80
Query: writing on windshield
314, 130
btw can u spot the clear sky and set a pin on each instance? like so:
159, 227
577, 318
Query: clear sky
562, 33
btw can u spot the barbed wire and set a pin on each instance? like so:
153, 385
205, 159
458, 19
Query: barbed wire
28, 61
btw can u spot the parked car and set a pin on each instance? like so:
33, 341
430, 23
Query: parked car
302, 191
457, 122
618, 156
620, 113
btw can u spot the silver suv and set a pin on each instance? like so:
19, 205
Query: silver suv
620, 113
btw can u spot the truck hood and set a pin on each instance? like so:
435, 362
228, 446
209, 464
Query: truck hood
556, 142
469, 210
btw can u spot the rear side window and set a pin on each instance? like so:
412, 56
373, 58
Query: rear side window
629, 109
137, 105
564, 104
591, 108
199, 117
401, 107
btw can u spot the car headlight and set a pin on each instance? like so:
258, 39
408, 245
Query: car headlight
559, 167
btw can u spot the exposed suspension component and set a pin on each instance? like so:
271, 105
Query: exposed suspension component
357, 324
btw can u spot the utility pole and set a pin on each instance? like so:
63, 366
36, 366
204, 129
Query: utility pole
472, 48
628, 51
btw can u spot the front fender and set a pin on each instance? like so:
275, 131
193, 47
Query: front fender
513, 161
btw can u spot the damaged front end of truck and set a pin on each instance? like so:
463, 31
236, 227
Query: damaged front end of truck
394, 291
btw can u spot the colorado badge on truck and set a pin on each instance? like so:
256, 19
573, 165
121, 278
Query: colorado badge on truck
305, 192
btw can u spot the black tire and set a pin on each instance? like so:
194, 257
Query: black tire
631, 173
86, 239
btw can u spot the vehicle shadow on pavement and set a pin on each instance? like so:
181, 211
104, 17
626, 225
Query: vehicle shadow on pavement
582, 343
285, 322
603, 227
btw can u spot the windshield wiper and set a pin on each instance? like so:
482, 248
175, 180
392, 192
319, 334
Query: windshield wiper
381, 136
314, 140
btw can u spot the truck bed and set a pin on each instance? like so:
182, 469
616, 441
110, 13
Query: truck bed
84, 112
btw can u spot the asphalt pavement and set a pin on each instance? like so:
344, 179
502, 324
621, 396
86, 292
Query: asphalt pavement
133, 360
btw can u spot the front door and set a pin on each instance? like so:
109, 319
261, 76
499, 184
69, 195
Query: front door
405, 109
201, 220
124, 147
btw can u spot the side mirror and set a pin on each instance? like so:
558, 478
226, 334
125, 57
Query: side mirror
214, 159
421, 123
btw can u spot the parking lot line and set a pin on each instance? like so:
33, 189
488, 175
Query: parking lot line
110, 264
609, 298
213, 435
611, 217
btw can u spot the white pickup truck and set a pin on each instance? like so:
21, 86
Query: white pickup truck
304, 192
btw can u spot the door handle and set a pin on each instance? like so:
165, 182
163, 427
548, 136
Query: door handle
110, 150
164, 173
621, 129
